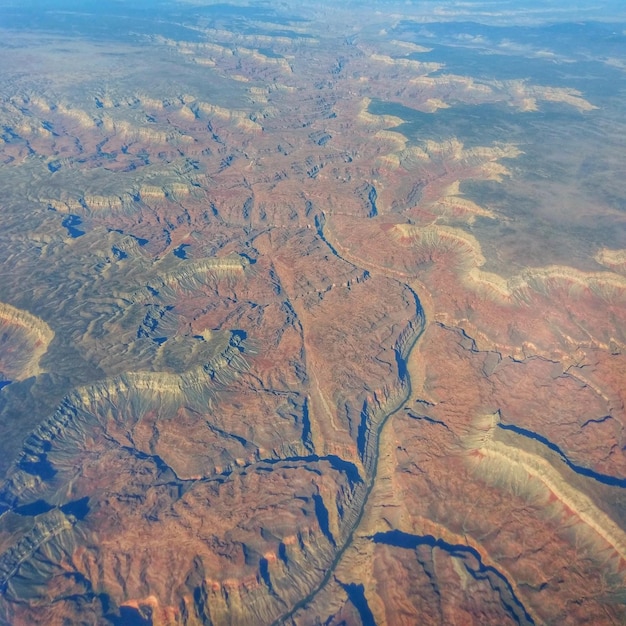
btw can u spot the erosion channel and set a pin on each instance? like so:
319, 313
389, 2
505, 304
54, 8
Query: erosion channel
372, 449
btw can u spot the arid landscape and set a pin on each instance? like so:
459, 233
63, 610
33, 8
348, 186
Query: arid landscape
312, 314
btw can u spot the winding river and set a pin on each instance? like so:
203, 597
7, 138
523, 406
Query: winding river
370, 478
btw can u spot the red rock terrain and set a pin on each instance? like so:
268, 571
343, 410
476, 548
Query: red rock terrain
262, 370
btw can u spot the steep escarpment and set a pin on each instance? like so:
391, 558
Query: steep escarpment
25, 340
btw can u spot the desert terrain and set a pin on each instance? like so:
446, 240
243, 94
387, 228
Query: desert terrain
271, 356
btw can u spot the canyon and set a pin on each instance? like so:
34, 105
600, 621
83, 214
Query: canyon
270, 353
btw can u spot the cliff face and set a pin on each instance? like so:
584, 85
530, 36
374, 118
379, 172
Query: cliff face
266, 355
25, 340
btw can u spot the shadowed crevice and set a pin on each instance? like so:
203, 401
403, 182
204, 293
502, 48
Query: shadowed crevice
497, 580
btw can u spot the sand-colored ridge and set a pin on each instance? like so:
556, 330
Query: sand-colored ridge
382, 122
613, 259
204, 61
454, 149
82, 192
518, 93
199, 384
409, 46
441, 238
511, 466
150, 103
107, 119
436, 239
90, 202
39, 333
452, 203
607, 286
47, 527
231, 265
130, 131
526, 95
466, 253
211, 52
418, 67
398, 141
82, 117
258, 39
432, 105
95, 202
240, 118
462, 85
150, 193
20, 317
259, 57
484, 159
